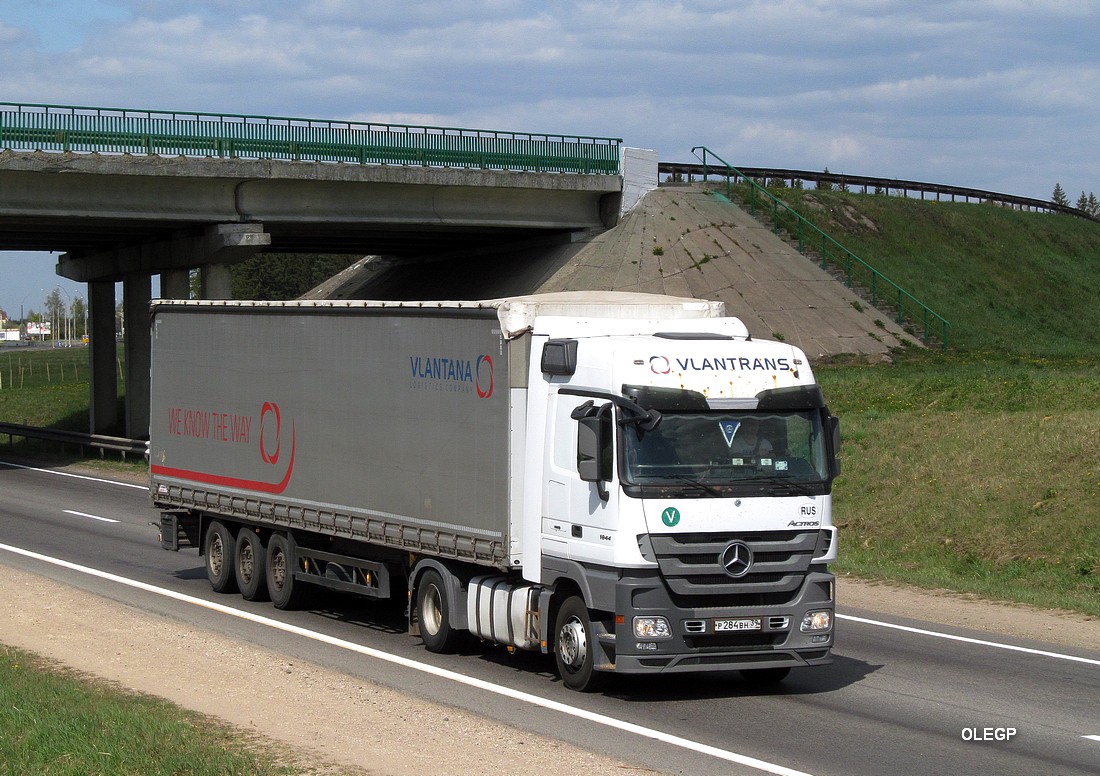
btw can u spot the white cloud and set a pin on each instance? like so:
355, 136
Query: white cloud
959, 91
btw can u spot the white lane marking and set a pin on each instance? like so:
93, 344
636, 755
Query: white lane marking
75, 476
442, 673
965, 640
1092, 738
91, 517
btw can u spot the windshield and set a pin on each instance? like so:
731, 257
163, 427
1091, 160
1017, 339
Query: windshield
713, 449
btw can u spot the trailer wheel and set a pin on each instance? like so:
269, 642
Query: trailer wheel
219, 550
433, 611
286, 591
250, 565
575, 647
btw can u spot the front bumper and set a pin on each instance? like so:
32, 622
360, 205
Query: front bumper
695, 644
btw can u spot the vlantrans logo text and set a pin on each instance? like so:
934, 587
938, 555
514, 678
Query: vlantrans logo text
664, 365
453, 375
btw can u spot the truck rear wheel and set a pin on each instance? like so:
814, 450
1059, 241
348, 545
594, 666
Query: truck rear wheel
433, 612
575, 647
219, 549
250, 565
286, 592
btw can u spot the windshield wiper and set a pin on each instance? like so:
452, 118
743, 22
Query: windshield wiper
795, 486
692, 481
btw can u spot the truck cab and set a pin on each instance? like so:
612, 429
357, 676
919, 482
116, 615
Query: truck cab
685, 508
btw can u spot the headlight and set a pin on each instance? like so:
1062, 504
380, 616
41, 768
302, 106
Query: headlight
817, 621
651, 628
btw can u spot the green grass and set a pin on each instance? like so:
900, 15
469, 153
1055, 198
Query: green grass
47, 387
1009, 282
972, 473
57, 723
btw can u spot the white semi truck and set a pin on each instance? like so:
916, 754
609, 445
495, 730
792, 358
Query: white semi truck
630, 482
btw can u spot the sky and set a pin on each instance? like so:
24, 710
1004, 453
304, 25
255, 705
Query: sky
1002, 95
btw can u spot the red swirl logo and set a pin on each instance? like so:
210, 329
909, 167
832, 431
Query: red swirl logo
484, 377
270, 441
660, 365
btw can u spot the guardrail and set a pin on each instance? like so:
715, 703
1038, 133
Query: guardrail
136, 447
123, 131
882, 291
882, 185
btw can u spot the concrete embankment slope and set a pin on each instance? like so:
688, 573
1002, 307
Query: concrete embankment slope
680, 241
686, 242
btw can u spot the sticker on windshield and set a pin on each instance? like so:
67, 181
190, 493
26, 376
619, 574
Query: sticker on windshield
729, 430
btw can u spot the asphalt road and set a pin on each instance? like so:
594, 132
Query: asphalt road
896, 700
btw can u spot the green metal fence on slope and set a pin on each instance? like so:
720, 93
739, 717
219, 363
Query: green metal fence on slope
911, 313
114, 130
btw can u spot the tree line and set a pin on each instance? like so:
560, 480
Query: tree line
1087, 204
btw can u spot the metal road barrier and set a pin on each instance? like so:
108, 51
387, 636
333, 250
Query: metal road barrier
136, 447
888, 186
910, 311
169, 133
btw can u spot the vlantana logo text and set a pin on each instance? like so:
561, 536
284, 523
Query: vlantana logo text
453, 374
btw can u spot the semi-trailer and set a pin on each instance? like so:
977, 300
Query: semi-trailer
630, 482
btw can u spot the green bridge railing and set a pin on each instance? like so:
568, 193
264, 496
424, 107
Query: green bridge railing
911, 312
114, 130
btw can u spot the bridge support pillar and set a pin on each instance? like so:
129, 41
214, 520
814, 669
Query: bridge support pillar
136, 295
102, 355
175, 284
217, 281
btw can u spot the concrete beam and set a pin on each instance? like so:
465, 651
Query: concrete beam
218, 244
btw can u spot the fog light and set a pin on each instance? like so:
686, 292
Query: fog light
652, 628
817, 621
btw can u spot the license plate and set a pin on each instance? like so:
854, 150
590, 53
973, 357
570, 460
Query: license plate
744, 624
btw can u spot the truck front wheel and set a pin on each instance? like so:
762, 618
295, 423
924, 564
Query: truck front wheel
219, 548
433, 612
575, 647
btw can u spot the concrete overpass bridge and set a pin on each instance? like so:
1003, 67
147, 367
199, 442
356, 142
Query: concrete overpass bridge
124, 195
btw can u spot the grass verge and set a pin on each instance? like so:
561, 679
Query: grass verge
52, 721
972, 473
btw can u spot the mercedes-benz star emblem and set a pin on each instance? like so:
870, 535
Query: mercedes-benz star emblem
736, 559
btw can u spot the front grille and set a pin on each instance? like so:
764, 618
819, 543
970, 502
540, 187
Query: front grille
692, 568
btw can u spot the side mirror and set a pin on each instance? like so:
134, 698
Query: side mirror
594, 462
834, 460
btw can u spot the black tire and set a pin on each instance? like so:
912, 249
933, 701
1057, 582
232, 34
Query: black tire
763, 677
286, 592
433, 613
575, 647
219, 549
250, 565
